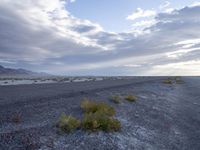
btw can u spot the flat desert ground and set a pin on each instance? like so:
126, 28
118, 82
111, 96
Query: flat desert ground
164, 116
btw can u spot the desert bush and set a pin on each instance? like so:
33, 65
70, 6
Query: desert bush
130, 98
68, 123
100, 121
116, 99
99, 116
89, 106
92, 107
172, 80
168, 81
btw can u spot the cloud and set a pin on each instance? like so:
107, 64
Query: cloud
144, 23
49, 38
165, 5
180, 68
195, 4
141, 25
140, 13
39, 29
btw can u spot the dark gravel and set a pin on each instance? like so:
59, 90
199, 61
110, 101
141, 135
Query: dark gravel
164, 117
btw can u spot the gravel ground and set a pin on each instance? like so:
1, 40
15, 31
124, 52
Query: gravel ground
164, 116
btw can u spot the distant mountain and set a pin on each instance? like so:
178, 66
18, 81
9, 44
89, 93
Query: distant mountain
19, 72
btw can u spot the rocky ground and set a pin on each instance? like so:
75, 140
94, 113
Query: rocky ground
165, 116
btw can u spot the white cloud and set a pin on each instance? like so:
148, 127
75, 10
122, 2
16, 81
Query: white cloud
165, 5
195, 4
140, 13
53, 19
186, 68
189, 42
177, 54
144, 23
132, 65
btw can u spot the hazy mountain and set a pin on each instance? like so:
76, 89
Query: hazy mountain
18, 72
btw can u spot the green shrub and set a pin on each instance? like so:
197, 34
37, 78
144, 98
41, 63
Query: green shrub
116, 99
100, 121
92, 107
172, 80
167, 81
89, 106
68, 123
130, 98
99, 116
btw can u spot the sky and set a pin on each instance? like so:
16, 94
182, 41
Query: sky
107, 37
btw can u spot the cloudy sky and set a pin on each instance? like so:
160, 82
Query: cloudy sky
107, 37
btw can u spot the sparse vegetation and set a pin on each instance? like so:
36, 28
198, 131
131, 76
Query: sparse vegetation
116, 99
99, 116
131, 98
168, 81
68, 123
175, 80
100, 121
92, 107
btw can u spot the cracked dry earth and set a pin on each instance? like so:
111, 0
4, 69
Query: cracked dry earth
165, 116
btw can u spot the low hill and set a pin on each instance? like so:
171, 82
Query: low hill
7, 72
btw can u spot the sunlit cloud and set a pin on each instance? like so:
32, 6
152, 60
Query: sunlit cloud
140, 13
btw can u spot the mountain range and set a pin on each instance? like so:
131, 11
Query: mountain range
18, 72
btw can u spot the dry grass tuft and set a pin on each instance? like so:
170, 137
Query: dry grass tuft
131, 98
68, 123
89, 106
116, 99
99, 116
168, 81
100, 121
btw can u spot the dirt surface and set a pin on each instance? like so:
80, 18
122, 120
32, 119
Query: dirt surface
165, 116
